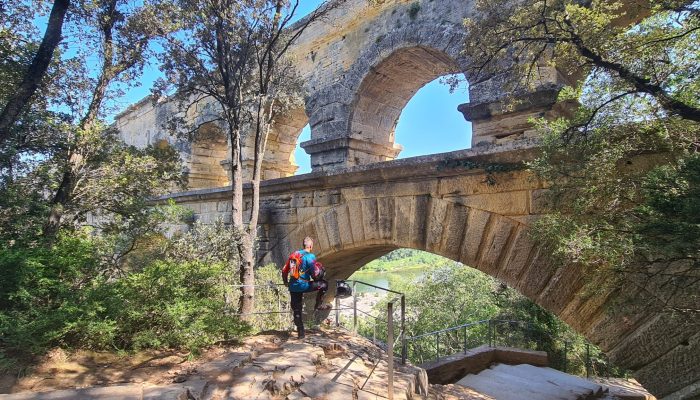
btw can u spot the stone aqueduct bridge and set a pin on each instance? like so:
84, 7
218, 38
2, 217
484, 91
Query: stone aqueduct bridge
450, 204
360, 66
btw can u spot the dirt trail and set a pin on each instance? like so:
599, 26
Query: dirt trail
60, 369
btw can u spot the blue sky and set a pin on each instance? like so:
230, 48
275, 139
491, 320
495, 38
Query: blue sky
430, 122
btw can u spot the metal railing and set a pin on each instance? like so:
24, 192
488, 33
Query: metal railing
390, 344
270, 299
511, 333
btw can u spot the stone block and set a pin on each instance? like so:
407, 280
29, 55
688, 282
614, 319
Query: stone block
306, 213
356, 213
476, 223
564, 285
455, 225
370, 219
330, 221
509, 203
223, 206
436, 224
419, 221
385, 209
478, 184
517, 258
344, 225
321, 242
323, 198
684, 358
496, 244
403, 209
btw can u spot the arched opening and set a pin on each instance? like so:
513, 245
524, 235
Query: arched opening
356, 232
280, 155
279, 160
441, 293
301, 157
430, 122
385, 92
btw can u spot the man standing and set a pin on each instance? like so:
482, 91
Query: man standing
296, 274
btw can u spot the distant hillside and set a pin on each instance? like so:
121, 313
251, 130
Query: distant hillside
406, 259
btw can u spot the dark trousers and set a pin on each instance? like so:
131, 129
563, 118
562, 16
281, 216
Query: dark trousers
297, 303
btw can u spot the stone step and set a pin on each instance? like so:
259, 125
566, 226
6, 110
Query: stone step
545, 388
497, 389
523, 381
560, 378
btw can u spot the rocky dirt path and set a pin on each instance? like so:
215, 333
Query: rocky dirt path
328, 364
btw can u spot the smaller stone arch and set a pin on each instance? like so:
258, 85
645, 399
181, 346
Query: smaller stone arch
499, 246
389, 86
353, 121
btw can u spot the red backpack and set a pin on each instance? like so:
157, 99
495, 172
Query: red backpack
293, 265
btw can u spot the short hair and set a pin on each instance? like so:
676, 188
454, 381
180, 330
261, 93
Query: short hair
308, 242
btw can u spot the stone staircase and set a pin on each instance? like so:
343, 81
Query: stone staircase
523, 381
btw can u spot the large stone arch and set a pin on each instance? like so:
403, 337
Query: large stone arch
351, 234
657, 345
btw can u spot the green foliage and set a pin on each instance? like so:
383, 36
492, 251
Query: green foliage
167, 304
449, 294
67, 295
622, 167
403, 259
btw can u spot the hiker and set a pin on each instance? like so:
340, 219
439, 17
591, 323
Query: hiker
297, 274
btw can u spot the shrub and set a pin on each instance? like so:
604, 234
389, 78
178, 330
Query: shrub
61, 295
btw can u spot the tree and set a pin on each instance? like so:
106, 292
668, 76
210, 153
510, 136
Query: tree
623, 168
230, 55
121, 34
36, 70
590, 37
63, 166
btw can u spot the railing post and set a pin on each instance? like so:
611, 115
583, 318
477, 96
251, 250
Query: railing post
390, 348
588, 360
374, 332
403, 330
279, 309
566, 355
337, 305
465, 340
437, 346
490, 330
354, 310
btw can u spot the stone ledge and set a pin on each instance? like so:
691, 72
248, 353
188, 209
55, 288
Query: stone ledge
321, 145
407, 169
541, 99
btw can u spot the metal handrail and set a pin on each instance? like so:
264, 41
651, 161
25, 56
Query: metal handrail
492, 339
453, 328
390, 326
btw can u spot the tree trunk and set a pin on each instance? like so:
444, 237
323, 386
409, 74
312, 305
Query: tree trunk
36, 71
236, 181
247, 274
58, 202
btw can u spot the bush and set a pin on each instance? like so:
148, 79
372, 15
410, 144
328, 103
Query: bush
171, 304
61, 295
